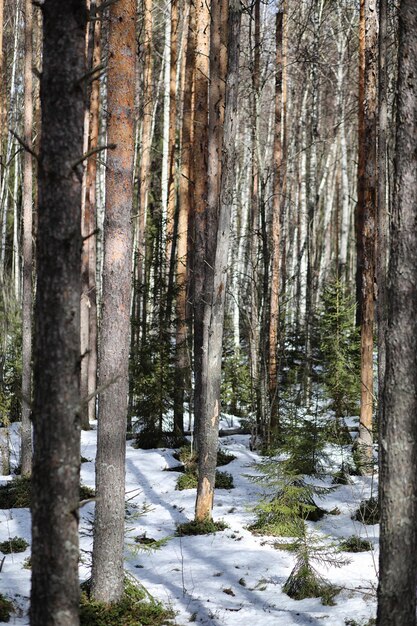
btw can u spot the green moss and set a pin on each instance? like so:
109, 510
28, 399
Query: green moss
14, 545
355, 544
368, 512
200, 528
186, 481
136, 608
16, 494
224, 480
6, 609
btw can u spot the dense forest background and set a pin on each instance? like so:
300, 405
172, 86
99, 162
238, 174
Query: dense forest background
196, 200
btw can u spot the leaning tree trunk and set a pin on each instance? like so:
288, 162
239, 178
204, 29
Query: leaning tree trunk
26, 445
56, 462
107, 570
398, 433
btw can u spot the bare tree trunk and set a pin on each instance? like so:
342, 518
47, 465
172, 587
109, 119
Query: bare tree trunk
56, 462
359, 212
2, 89
182, 361
382, 223
398, 436
254, 337
200, 196
145, 160
172, 142
26, 441
368, 237
91, 224
107, 570
276, 222
220, 200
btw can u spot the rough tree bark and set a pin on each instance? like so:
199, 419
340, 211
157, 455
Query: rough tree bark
26, 442
382, 219
368, 235
200, 183
88, 263
182, 364
398, 432
220, 199
107, 569
56, 462
276, 222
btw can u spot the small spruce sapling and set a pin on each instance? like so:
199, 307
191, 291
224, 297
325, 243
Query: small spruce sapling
288, 500
339, 346
305, 581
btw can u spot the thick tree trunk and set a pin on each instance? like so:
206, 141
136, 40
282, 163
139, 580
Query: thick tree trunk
368, 236
107, 570
220, 200
398, 433
26, 444
56, 463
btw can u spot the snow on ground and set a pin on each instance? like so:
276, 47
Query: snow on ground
227, 579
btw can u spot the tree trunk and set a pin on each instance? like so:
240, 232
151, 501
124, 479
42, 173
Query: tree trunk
368, 236
56, 462
398, 435
182, 361
382, 223
172, 145
26, 443
200, 196
220, 200
359, 212
91, 222
107, 570
276, 222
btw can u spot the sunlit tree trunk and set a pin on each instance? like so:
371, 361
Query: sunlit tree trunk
56, 461
398, 431
107, 569
276, 222
221, 159
26, 443
368, 235
200, 181
382, 220
182, 360
172, 143
91, 221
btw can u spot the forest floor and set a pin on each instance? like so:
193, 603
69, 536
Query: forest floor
225, 579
